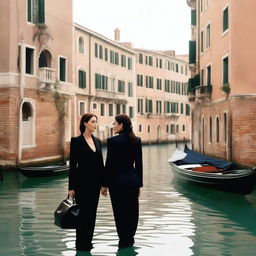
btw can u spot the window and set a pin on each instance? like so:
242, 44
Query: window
167, 107
181, 108
177, 68
129, 63
106, 54
140, 128
149, 82
167, 128
208, 36
112, 57
130, 90
159, 84
217, 129
149, 106
225, 20
81, 44
202, 77
177, 128
94, 105
148, 128
100, 52
118, 109
101, 82
36, 11
139, 80
187, 110
225, 71
193, 17
225, 128
123, 61
209, 75
183, 128
131, 112
123, 109
140, 58
82, 78
29, 61
96, 50
121, 86
81, 108
110, 110
210, 130
202, 41
140, 106
62, 69
116, 58
102, 109
158, 106
167, 86
173, 129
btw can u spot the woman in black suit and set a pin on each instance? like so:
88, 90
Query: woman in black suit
85, 177
123, 178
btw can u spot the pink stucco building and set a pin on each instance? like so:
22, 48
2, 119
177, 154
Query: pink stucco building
222, 89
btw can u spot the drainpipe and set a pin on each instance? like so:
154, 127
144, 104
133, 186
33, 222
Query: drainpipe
22, 83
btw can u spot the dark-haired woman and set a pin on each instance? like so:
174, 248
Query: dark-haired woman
85, 176
123, 178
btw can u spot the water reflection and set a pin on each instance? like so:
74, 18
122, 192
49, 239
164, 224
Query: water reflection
175, 218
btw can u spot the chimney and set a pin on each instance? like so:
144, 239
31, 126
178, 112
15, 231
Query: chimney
117, 34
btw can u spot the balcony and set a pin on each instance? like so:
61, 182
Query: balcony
193, 83
203, 93
47, 77
110, 95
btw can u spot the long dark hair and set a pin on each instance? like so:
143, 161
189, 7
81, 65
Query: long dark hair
127, 125
84, 119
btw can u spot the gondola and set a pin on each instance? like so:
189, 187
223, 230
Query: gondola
43, 171
191, 166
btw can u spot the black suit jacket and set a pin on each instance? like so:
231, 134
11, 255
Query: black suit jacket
86, 166
124, 162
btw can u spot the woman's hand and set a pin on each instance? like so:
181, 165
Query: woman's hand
71, 193
104, 191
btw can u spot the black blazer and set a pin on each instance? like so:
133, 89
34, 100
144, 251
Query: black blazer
86, 166
124, 162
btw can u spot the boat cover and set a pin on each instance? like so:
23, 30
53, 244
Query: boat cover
193, 157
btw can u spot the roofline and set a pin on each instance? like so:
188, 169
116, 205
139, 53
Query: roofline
97, 35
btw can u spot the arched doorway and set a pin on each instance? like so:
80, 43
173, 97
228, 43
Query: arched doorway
45, 59
27, 124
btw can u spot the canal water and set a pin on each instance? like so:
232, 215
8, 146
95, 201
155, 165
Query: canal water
175, 219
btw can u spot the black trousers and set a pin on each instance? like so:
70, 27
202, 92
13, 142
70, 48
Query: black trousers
125, 204
88, 201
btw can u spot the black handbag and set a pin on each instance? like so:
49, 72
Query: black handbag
66, 215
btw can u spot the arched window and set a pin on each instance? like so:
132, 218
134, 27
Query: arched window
225, 128
217, 129
173, 129
167, 128
177, 128
26, 111
183, 128
210, 129
140, 128
81, 44
148, 128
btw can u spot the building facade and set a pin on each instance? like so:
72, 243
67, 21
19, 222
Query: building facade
222, 89
163, 110
52, 71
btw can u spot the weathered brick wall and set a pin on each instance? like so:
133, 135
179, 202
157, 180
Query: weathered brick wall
9, 102
244, 130
240, 146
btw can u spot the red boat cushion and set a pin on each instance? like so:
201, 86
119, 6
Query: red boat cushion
205, 169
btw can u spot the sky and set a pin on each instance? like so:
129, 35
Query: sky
148, 24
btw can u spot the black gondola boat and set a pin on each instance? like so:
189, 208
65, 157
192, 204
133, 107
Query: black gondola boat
43, 171
223, 175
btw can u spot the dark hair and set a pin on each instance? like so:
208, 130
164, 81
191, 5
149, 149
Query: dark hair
84, 119
127, 125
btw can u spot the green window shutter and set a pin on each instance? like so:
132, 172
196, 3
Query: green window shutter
193, 17
80, 78
225, 71
96, 50
192, 52
62, 69
41, 12
106, 54
225, 19
110, 109
29, 10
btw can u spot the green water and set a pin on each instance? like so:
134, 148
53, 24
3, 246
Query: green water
175, 219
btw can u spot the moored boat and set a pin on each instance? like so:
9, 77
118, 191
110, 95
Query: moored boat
211, 172
43, 171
